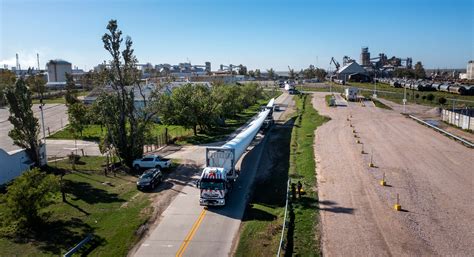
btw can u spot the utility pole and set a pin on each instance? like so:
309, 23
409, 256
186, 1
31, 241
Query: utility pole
44, 131
38, 59
404, 99
375, 85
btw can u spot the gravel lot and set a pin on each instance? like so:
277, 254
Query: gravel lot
432, 174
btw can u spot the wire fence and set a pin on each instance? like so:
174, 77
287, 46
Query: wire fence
284, 219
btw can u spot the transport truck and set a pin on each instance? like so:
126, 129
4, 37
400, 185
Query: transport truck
219, 174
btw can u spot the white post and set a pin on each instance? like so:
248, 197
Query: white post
404, 99
375, 86
44, 132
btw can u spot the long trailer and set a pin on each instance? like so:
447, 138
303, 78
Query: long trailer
220, 173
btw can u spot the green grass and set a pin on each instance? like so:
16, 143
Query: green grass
54, 100
263, 217
95, 132
380, 104
396, 95
111, 212
302, 168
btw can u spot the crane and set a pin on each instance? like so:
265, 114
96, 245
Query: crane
335, 63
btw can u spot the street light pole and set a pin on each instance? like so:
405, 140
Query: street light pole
375, 85
44, 131
404, 99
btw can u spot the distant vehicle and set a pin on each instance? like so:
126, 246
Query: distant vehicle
151, 161
149, 179
293, 92
277, 108
351, 93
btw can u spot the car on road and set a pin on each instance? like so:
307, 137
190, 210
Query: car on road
277, 108
149, 179
151, 161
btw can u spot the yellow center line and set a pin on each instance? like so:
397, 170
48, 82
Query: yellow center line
191, 233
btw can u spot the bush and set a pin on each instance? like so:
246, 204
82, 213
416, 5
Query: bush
423, 97
442, 100
25, 199
430, 97
417, 96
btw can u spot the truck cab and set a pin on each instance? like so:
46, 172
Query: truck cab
213, 187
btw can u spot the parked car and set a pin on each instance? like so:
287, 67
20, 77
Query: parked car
151, 161
149, 179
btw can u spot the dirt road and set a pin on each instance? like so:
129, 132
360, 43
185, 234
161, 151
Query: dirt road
432, 174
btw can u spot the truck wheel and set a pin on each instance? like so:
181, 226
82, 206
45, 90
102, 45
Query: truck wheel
136, 167
158, 167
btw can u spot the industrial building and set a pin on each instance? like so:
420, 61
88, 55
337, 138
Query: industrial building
351, 71
469, 75
57, 70
382, 61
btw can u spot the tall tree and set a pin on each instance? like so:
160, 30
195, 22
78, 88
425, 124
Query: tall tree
25, 125
419, 71
126, 124
292, 74
7, 78
257, 73
271, 73
71, 93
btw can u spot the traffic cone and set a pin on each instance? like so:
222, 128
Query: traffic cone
397, 206
383, 182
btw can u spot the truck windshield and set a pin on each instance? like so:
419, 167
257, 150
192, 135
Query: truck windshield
212, 185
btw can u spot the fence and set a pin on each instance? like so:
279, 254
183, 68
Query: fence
284, 219
463, 118
155, 142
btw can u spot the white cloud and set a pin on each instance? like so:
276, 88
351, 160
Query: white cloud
26, 59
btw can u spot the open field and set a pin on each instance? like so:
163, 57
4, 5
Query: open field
431, 173
112, 211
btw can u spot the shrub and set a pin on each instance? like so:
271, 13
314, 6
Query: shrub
430, 97
442, 100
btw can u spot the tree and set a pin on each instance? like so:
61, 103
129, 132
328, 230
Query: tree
125, 123
419, 71
292, 74
71, 94
257, 73
242, 70
7, 78
36, 83
271, 74
430, 97
442, 100
251, 73
25, 125
77, 114
26, 197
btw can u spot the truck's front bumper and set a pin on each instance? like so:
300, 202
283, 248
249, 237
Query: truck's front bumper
212, 202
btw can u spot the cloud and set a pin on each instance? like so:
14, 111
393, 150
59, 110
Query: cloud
26, 59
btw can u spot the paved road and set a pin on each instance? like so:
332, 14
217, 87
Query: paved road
431, 173
55, 118
189, 229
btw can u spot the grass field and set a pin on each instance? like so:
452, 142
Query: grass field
301, 239
293, 157
111, 211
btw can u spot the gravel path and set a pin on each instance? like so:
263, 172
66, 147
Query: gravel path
432, 174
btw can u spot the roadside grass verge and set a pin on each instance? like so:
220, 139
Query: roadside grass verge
291, 155
381, 105
112, 211
263, 217
301, 235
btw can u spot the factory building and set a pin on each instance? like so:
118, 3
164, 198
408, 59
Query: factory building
351, 70
57, 70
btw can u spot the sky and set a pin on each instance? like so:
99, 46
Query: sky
259, 34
